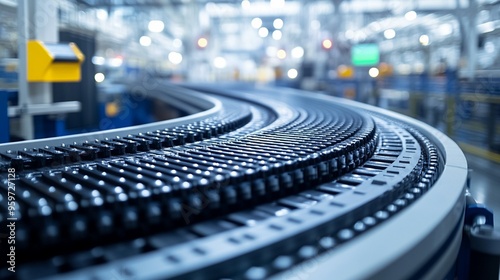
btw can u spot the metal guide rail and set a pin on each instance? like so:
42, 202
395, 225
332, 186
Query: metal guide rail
269, 181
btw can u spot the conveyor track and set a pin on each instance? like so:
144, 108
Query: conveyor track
266, 182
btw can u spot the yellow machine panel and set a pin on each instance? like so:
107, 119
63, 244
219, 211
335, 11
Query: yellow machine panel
53, 62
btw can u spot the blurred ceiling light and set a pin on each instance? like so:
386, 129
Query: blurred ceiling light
389, 33
175, 57
445, 29
277, 35
98, 60
245, 4
418, 68
373, 72
99, 77
349, 34
211, 7
156, 26
263, 32
220, 62
248, 63
484, 16
411, 15
229, 27
202, 42
116, 62
277, 3
281, 54
292, 73
489, 47
486, 27
327, 44
376, 26
102, 14
360, 35
403, 69
297, 52
271, 51
278, 23
177, 43
145, 41
424, 40
256, 23
315, 24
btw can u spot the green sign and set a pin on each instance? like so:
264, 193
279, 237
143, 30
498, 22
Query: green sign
365, 55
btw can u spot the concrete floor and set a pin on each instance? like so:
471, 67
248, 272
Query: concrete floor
485, 184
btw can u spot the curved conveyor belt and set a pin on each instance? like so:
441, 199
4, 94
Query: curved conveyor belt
255, 183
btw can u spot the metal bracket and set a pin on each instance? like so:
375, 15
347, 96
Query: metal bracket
45, 109
485, 239
482, 243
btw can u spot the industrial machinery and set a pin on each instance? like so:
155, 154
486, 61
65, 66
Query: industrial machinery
255, 183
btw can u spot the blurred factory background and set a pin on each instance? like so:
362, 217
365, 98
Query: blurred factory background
437, 61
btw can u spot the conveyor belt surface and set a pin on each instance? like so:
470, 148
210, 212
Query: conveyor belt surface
267, 181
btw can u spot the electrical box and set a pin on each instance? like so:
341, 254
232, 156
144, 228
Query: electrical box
53, 62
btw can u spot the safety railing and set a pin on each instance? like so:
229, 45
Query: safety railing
467, 111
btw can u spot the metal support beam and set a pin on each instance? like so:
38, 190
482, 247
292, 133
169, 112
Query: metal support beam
36, 20
45, 109
26, 121
467, 19
44, 27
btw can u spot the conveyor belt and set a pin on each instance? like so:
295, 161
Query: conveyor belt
265, 181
